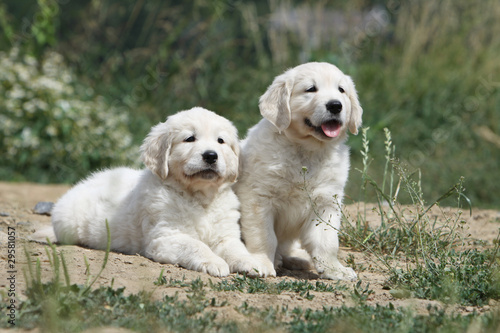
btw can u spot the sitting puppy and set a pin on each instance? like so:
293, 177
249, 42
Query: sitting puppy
294, 166
180, 210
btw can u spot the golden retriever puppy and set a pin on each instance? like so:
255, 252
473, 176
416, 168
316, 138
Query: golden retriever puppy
294, 165
180, 210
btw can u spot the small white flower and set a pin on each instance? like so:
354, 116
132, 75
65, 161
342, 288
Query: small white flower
13, 105
26, 134
30, 61
29, 106
42, 105
16, 92
12, 151
64, 105
49, 85
51, 130
24, 74
66, 77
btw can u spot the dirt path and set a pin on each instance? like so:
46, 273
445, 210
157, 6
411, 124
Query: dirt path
137, 273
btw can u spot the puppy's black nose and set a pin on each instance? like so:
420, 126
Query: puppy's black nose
210, 156
334, 106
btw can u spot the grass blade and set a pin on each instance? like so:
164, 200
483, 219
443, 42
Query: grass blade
106, 255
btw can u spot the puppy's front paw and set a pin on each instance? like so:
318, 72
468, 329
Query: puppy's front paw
252, 267
339, 273
263, 266
262, 271
215, 267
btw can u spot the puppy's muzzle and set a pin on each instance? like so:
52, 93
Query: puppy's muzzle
210, 170
210, 157
334, 106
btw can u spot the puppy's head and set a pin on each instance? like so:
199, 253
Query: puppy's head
313, 100
196, 147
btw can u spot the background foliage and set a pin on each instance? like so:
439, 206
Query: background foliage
428, 70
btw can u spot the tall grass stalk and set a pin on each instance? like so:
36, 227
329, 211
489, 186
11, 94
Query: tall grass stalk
105, 261
388, 152
365, 153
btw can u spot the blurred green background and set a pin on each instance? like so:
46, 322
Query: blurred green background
81, 82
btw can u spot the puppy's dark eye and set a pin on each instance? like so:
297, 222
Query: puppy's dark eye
341, 90
312, 89
220, 140
190, 139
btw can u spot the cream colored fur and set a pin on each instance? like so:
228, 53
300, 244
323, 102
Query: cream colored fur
180, 210
284, 206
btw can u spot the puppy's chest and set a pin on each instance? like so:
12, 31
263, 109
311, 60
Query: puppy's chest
295, 173
204, 224
215, 219
297, 181
295, 186
294, 198
186, 213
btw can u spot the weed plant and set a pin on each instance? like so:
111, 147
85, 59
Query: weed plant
439, 262
468, 278
364, 318
244, 284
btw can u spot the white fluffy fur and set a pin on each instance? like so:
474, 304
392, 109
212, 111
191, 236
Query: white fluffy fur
280, 209
180, 210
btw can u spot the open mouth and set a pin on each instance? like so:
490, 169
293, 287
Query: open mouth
205, 174
330, 128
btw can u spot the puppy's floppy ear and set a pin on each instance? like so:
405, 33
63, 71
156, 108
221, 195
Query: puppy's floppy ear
235, 147
156, 149
275, 103
354, 120
234, 163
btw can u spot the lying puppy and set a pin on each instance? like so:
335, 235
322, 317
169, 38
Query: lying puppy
308, 111
180, 210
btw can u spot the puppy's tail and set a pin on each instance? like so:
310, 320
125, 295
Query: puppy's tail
44, 234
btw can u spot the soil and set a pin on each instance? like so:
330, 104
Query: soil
137, 273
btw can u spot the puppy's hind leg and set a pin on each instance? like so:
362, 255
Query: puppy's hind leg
293, 256
187, 252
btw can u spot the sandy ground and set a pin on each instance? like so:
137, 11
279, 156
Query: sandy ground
137, 273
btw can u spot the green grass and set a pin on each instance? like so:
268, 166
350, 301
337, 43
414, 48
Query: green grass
468, 278
377, 318
244, 284
73, 312
439, 262
106, 306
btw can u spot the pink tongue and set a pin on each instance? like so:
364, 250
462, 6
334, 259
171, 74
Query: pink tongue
331, 130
